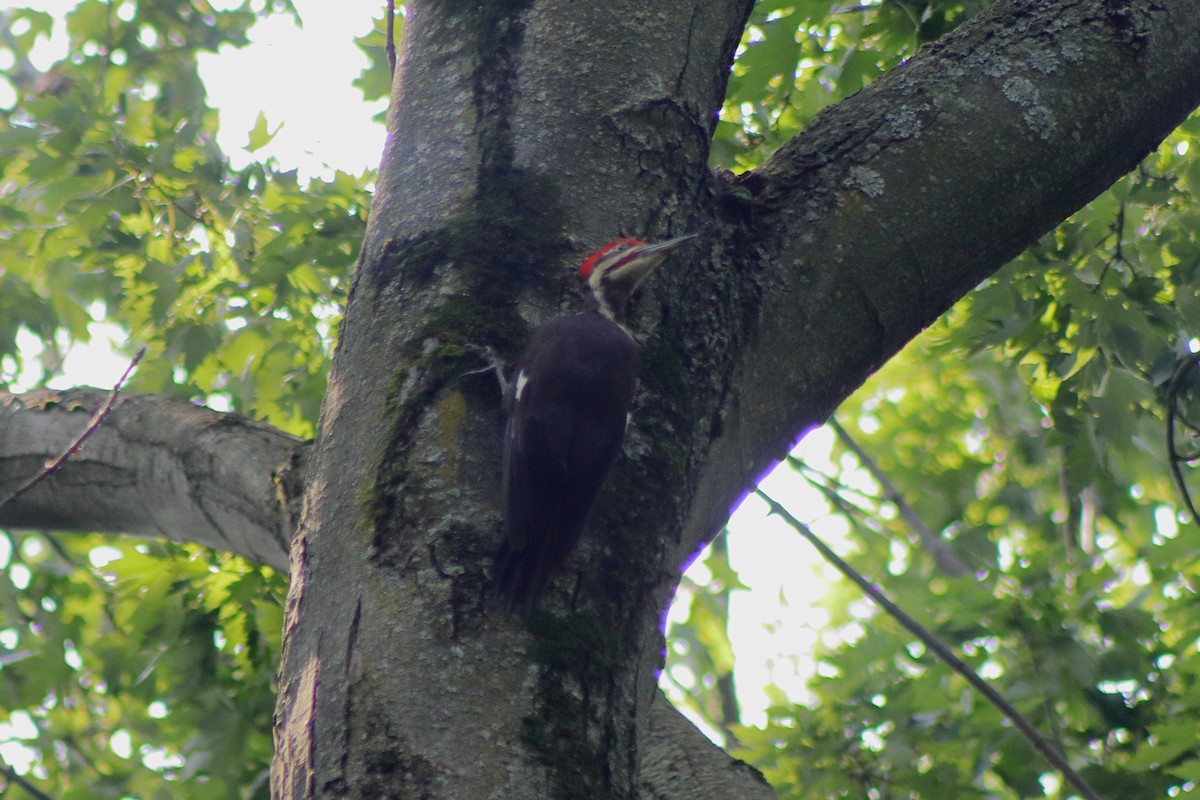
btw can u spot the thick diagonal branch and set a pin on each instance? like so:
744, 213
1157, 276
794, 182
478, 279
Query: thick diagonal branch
157, 467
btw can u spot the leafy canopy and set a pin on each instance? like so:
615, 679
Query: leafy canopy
145, 669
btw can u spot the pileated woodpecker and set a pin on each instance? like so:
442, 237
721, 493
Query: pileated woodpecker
568, 406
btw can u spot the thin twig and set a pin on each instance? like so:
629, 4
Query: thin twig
391, 38
945, 558
834, 495
19, 780
832, 484
944, 653
1185, 365
93, 424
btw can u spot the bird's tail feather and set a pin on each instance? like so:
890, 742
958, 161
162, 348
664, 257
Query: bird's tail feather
518, 579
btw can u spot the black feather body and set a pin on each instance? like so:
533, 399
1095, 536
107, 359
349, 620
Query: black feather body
568, 405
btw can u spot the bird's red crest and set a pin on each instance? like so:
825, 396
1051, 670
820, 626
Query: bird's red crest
585, 269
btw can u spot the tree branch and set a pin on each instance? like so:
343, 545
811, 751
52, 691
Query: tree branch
157, 467
943, 555
1175, 414
887, 209
96, 421
681, 762
390, 47
25, 784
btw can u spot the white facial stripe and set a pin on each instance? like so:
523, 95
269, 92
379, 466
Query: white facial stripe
594, 278
522, 379
610, 262
604, 309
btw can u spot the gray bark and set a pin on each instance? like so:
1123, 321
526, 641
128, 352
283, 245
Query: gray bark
156, 467
521, 136
680, 762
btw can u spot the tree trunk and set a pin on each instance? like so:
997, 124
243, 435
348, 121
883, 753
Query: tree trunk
523, 134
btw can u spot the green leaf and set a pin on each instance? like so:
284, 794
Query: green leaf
260, 134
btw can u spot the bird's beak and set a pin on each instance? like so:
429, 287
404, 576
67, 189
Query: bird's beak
645, 259
666, 247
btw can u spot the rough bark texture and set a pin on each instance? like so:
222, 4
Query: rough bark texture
156, 467
389, 648
524, 133
896, 202
680, 762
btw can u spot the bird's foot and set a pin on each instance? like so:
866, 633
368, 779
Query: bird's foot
492, 363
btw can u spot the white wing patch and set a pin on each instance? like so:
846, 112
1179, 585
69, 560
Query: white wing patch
522, 379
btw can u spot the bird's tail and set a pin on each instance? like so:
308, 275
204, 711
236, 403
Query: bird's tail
518, 579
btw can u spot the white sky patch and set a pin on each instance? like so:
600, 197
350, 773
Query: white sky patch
300, 77
94, 363
46, 52
103, 555
775, 626
20, 576
121, 743
19, 726
72, 657
161, 760
19, 757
